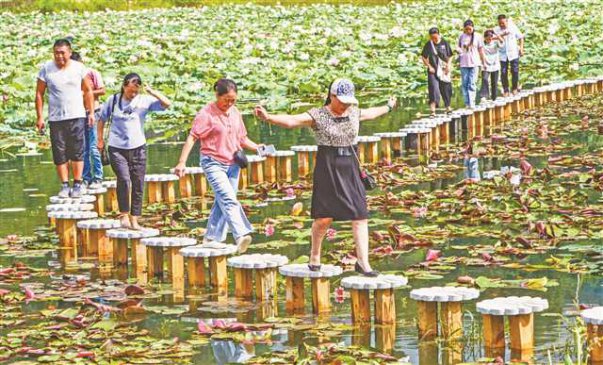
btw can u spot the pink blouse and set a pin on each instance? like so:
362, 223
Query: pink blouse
220, 134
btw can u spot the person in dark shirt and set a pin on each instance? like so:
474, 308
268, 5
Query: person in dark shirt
437, 57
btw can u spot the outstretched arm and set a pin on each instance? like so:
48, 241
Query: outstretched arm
284, 120
376, 112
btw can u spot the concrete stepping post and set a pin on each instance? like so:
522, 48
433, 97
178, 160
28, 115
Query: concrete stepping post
368, 149
215, 254
161, 188
593, 318
66, 227
138, 252
256, 169
111, 204
294, 289
265, 267
304, 158
94, 234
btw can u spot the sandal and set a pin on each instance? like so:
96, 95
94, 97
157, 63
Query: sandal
314, 267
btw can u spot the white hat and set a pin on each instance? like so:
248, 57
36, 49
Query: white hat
344, 90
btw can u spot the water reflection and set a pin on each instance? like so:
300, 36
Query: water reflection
227, 352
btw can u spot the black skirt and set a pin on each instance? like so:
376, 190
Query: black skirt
337, 191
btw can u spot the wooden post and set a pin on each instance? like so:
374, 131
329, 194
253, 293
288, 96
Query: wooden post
155, 262
154, 190
257, 172
361, 152
176, 272
270, 171
595, 342
361, 308
104, 246
385, 337
243, 280
494, 331
243, 179
195, 267
218, 274
120, 251
386, 148
373, 152
111, 201
90, 241
521, 331
321, 295
200, 184
139, 260
434, 136
294, 294
444, 134
452, 319
185, 186
427, 319
168, 192
428, 353
397, 147
361, 335
385, 306
68, 239
265, 284
303, 163
285, 166
99, 205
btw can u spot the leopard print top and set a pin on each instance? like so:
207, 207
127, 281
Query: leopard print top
331, 131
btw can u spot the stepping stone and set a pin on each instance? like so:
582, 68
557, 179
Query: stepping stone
175, 261
417, 141
66, 228
451, 311
193, 178
94, 235
265, 266
216, 254
111, 204
160, 188
368, 149
520, 312
99, 203
116, 250
385, 305
256, 169
321, 293
279, 166
392, 144
69, 207
305, 154
593, 318
81, 200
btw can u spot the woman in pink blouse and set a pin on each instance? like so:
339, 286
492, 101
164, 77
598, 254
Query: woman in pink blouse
220, 130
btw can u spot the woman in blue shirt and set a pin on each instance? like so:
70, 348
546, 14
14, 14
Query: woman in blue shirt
126, 112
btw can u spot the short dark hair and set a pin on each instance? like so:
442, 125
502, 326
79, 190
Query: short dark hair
434, 30
502, 16
63, 42
489, 33
224, 86
76, 56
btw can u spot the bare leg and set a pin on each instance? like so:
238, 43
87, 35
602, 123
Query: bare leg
63, 172
319, 230
134, 221
124, 220
78, 168
432, 108
361, 238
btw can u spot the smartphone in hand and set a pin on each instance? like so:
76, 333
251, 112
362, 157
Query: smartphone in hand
266, 150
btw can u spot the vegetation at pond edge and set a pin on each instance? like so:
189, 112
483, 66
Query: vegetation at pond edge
283, 56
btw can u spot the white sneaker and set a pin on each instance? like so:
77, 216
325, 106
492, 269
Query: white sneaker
243, 243
95, 185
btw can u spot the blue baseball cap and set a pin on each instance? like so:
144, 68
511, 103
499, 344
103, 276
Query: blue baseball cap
344, 90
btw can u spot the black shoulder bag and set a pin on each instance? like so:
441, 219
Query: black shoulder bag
104, 153
367, 179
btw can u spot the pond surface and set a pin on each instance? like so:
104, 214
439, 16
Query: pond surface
28, 181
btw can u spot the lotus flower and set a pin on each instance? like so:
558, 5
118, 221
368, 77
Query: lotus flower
526, 167
339, 293
433, 255
297, 209
419, 212
203, 328
290, 192
331, 233
269, 230
29, 294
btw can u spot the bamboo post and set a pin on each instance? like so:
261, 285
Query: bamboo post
521, 331
195, 267
361, 309
294, 294
452, 319
265, 284
385, 306
218, 274
427, 320
243, 280
494, 331
321, 295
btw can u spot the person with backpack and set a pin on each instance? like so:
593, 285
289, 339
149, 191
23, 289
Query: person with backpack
126, 113
471, 55
437, 57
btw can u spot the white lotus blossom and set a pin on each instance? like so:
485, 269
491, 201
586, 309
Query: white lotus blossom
333, 61
553, 28
303, 56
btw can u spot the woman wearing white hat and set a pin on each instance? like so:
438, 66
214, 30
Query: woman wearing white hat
338, 193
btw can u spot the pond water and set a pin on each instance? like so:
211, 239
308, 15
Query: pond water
28, 181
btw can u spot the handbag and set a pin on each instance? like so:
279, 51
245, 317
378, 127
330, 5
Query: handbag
440, 74
105, 160
240, 158
367, 179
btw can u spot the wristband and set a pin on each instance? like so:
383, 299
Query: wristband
389, 108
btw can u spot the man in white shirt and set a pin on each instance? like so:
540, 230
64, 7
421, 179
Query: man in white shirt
509, 53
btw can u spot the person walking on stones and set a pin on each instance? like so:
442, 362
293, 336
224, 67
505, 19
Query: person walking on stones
126, 112
338, 193
510, 53
492, 45
437, 57
69, 95
471, 51
222, 135
93, 167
